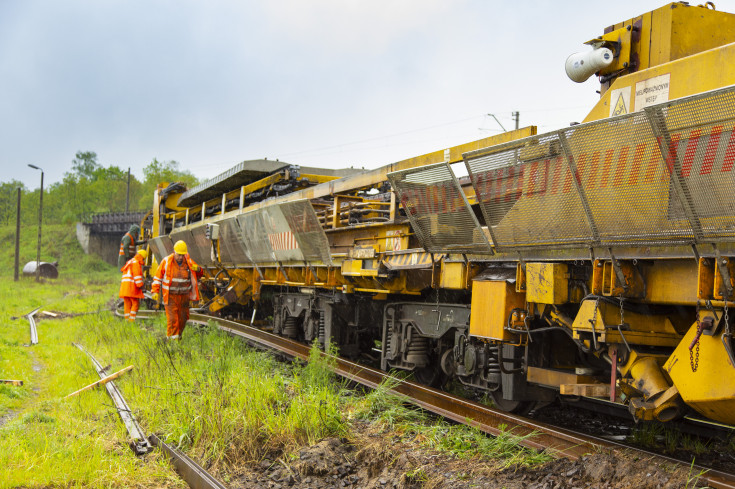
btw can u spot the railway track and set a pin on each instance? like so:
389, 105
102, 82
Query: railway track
560, 442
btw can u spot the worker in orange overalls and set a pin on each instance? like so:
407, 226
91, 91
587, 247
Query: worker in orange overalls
127, 245
131, 287
178, 275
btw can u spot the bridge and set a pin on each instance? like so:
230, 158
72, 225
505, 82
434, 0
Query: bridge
100, 234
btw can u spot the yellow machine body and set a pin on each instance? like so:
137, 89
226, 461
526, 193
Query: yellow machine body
600, 241
709, 384
492, 302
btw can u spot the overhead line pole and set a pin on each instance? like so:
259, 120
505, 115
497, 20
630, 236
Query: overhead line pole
17, 238
40, 220
127, 196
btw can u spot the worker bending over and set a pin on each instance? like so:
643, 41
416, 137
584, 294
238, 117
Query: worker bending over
127, 245
131, 287
178, 276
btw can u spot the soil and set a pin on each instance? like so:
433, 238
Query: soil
378, 461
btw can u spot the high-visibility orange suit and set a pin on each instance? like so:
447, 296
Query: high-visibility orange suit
131, 286
178, 276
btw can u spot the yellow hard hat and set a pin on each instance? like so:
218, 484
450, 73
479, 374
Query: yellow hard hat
180, 247
142, 252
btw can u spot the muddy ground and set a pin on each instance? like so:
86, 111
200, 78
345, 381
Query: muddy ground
378, 461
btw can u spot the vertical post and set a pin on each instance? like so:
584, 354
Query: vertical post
516, 116
40, 219
127, 195
40, 224
17, 238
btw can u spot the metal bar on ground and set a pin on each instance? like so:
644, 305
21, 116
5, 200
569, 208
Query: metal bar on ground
190, 471
107, 379
11, 382
139, 443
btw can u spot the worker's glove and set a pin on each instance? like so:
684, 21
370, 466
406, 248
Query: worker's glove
195, 268
154, 296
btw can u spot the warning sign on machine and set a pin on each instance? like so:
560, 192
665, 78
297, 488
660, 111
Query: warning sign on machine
652, 91
619, 101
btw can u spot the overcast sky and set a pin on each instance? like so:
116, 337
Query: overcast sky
332, 83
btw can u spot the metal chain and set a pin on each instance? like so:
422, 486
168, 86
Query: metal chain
594, 314
694, 361
622, 312
593, 323
727, 318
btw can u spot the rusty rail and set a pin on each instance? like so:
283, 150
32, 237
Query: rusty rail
190, 471
557, 441
139, 443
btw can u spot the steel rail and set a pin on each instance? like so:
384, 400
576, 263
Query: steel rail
139, 443
32, 322
533, 434
536, 435
189, 470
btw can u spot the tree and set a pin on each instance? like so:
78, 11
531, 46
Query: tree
167, 171
163, 172
9, 200
85, 165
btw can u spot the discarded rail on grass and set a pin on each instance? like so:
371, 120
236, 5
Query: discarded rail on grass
32, 321
190, 471
139, 443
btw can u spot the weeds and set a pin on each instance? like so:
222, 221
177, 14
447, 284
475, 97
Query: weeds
211, 395
693, 479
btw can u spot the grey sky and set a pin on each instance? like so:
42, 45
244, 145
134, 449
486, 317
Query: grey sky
330, 83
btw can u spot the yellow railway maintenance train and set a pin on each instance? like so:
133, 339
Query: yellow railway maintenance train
597, 260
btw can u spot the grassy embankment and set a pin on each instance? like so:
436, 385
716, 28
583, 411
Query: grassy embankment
222, 402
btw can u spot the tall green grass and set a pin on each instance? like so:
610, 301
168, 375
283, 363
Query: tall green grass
224, 403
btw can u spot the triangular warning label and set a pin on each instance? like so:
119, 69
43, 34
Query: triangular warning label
620, 107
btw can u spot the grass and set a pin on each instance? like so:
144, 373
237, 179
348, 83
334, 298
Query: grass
225, 404
651, 435
395, 414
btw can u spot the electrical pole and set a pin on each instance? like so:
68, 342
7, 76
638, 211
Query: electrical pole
40, 220
127, 196
516, 116
17, 238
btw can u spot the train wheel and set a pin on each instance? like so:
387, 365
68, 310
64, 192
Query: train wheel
431, 375
515, 407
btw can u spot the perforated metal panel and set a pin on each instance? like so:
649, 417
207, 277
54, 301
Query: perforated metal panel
255, 237
202, 249
438, 210
654, 177
309, 234
161, 247
199, 253
184, 236
282, 240
701, 152
527, 195
231, 247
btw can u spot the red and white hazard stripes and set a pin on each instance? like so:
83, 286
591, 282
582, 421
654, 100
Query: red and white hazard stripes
283, 241
700, 153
